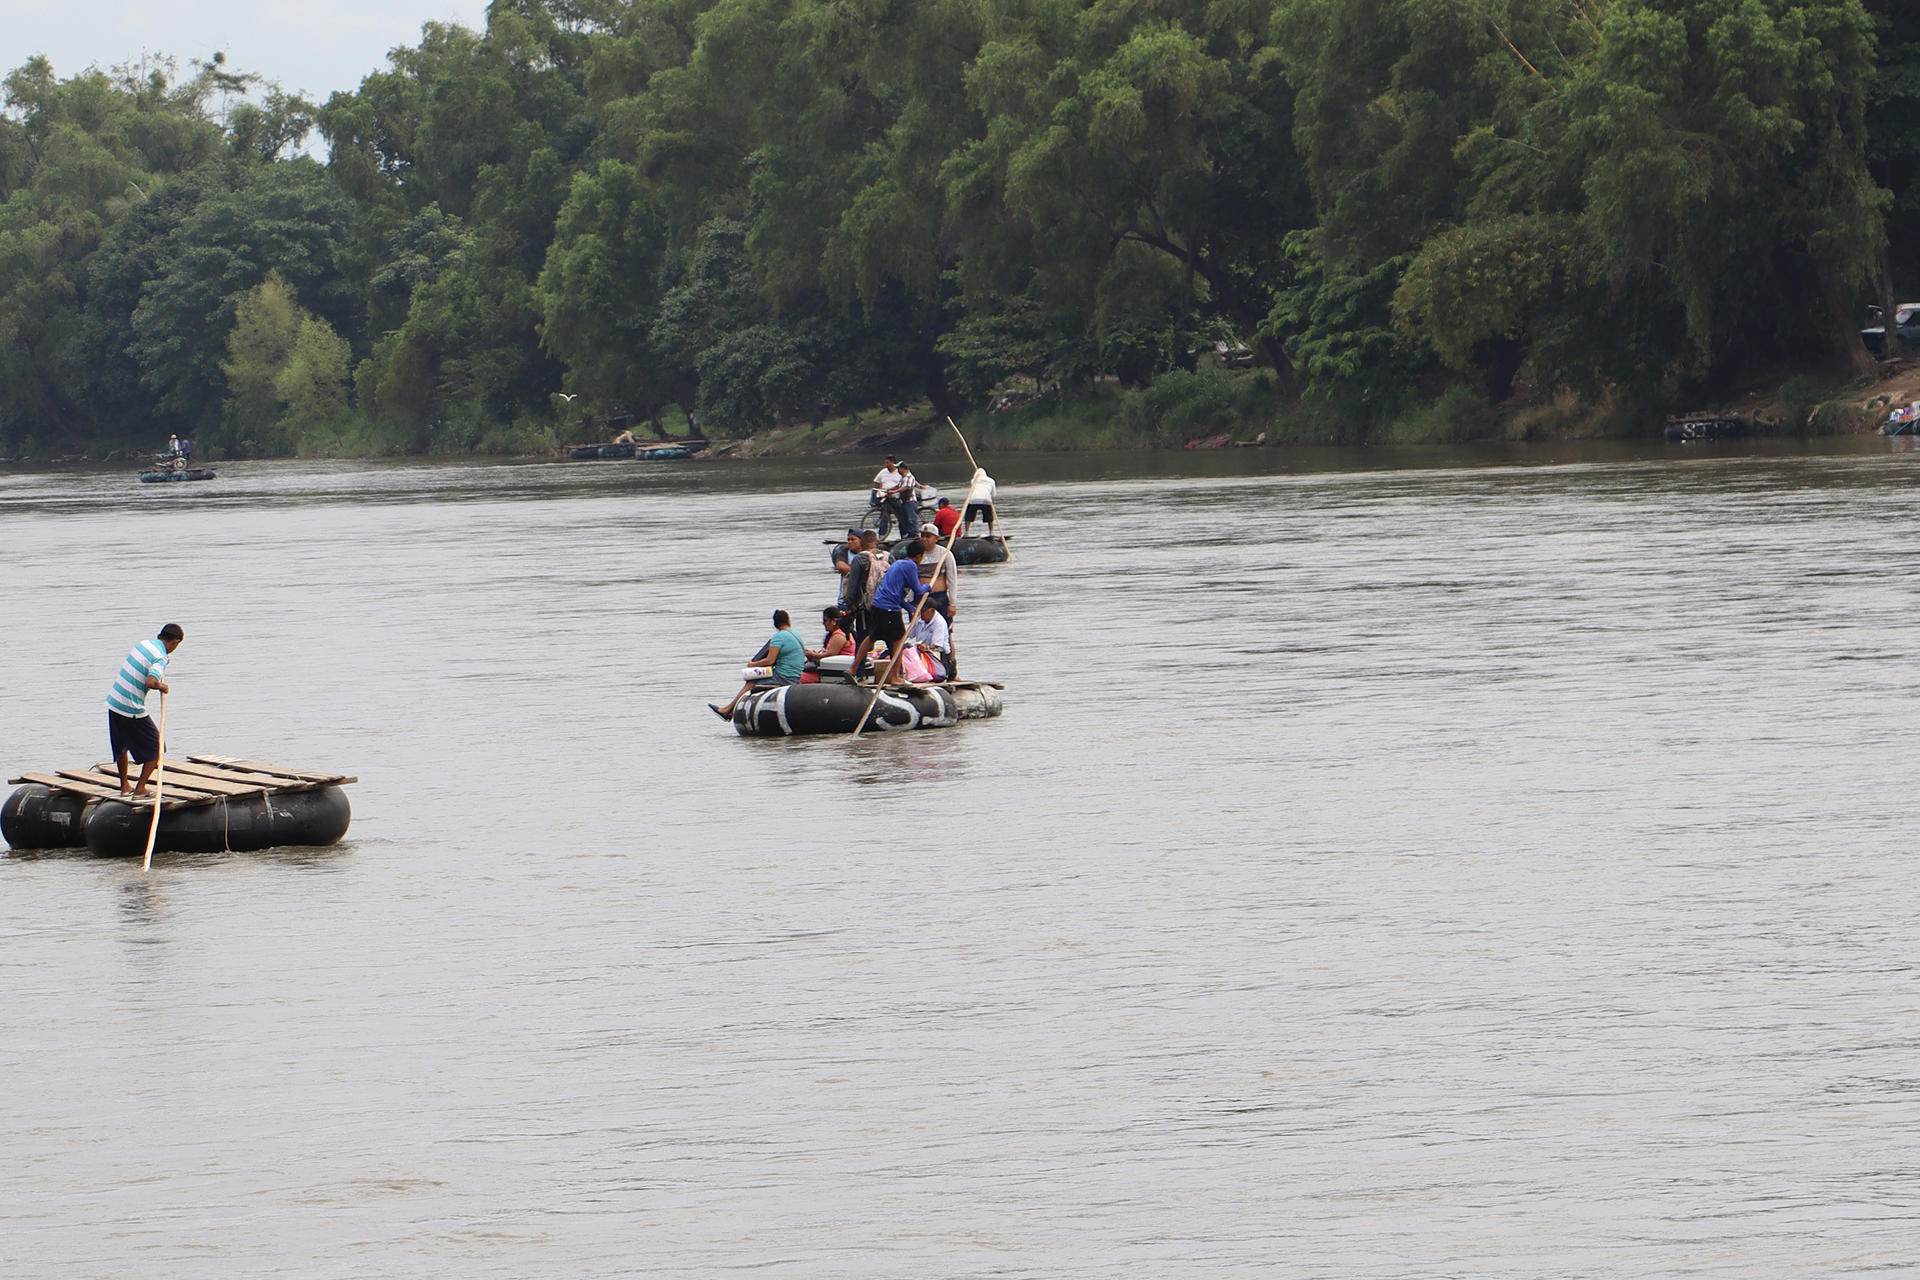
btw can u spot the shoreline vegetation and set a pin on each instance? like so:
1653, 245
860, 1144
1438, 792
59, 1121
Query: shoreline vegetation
1210, 408
1067, 225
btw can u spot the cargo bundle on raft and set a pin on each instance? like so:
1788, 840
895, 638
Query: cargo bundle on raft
208, 804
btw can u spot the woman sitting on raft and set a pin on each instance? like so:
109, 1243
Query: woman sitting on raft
836, 642
783, 659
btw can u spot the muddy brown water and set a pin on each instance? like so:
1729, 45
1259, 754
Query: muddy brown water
1390, 864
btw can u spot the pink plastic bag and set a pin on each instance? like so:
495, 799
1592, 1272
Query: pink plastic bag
916, 667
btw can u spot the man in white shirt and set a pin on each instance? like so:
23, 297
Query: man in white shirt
885, 482
929, 632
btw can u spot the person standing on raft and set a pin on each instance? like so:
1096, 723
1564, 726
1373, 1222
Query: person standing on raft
784, 654
980, 494
129, 730
900, 589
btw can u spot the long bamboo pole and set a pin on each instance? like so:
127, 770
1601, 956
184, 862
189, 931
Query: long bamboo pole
893, 660
993, 524
159, 783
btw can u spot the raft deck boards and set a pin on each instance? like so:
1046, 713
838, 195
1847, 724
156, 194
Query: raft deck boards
195, 780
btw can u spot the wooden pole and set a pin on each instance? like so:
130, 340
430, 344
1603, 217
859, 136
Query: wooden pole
993, 523
159, 781
893, 660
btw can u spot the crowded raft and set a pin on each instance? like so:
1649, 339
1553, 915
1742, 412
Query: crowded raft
887, 659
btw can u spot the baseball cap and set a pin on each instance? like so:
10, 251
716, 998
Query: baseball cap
928, 528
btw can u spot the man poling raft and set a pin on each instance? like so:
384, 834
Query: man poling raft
197, 804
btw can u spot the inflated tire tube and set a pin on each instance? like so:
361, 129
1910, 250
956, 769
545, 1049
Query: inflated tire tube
966, 550
37, 817
801, 709
243, 825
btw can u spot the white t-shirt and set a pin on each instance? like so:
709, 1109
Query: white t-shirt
931, 632
983, 489
886, 478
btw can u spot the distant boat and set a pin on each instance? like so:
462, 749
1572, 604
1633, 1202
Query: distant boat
591, 452
1681, 430
192, 473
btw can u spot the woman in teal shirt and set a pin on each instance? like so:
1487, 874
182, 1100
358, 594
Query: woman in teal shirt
784, 653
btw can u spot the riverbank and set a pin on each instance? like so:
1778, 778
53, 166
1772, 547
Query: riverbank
1206, 409
1214, 409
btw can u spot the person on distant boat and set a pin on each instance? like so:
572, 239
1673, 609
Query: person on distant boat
899, 589
945, 518
625, 437
173, 443
930, 634
130, 731
844, 552
783, 657
979, 501
885, 481
186, 448
906, 507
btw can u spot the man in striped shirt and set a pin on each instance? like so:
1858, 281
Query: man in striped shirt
128, 728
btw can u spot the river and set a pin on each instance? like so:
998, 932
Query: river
1389, 864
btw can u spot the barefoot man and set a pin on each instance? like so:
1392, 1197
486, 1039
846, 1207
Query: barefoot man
128, 728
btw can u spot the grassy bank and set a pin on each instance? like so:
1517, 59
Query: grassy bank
1214, 407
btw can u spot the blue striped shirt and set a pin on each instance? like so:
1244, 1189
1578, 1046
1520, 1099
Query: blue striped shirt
129, 693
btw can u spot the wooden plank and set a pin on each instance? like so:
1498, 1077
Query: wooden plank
199, 774
186, 793
254, 766
110, 791
189, 775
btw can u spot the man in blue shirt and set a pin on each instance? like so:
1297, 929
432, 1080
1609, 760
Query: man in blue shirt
900, 589
783, 653
129, 730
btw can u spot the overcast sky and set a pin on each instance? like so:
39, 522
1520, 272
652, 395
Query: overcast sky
311, 46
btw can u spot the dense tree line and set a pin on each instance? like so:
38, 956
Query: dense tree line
766, 211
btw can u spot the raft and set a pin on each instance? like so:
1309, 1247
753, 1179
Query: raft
209, 804
589, 452
799, 710
195, 473
966, 550
1684, 430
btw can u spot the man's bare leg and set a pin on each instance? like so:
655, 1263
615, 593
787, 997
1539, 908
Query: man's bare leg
121, 760
146, 772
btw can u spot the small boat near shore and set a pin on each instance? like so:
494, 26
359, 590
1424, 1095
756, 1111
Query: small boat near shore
835, 706
187, 473
1705, 427
664, 451
208, 804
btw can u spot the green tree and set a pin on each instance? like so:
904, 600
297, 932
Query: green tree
313, 385
266, 321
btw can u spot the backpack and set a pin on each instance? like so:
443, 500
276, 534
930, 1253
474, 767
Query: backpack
877, 562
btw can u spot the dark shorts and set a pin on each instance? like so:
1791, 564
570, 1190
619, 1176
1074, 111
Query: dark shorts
888, 625
984, 508
135, 736
942, 603
775, 682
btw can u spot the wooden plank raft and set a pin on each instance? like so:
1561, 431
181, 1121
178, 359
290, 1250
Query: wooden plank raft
194, 780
